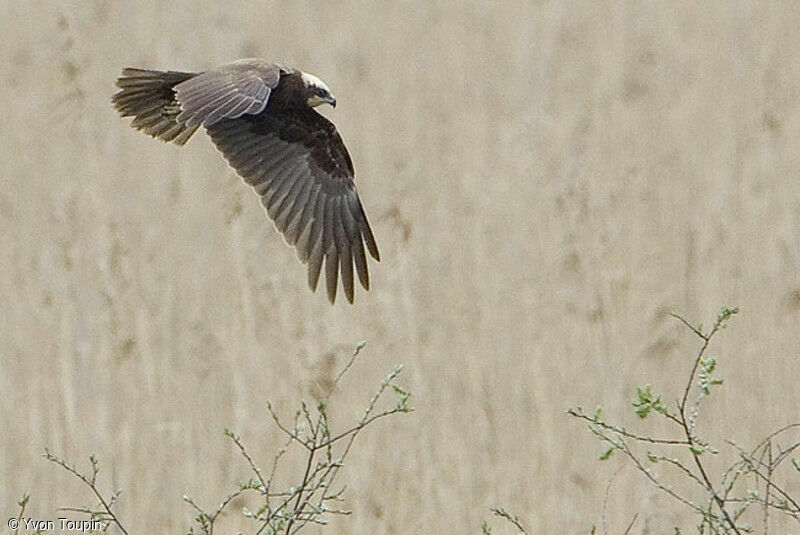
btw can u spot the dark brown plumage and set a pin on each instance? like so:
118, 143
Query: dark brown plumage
261, 117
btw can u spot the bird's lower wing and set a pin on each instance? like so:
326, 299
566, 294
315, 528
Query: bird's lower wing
298, 164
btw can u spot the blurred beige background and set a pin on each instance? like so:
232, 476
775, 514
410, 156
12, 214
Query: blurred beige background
546, 180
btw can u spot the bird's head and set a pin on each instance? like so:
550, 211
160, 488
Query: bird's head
318, 93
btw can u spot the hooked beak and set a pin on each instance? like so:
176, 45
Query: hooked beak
318, 100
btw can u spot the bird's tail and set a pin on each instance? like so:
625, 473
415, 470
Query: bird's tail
149, 98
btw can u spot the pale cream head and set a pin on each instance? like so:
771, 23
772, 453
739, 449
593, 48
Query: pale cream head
320, 93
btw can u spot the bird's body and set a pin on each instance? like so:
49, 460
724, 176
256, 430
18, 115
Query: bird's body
261, 117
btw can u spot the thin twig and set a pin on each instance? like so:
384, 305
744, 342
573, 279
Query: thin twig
238, 441
22, 504
578, 413
630, 526
694, 329
90, 482
502, 513
356, 351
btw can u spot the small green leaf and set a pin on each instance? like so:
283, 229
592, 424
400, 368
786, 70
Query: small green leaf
697, 450
646, 401
606, 454
705, 378
725, 314
402, 399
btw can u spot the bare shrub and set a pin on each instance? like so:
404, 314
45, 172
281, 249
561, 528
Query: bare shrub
732, 500
311, 498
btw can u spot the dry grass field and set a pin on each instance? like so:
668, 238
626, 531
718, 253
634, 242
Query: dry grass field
547, 181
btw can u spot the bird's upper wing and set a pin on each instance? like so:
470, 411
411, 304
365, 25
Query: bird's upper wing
296, 161
238, 88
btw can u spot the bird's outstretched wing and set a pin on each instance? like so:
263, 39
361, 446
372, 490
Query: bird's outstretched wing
296, 161
239, 88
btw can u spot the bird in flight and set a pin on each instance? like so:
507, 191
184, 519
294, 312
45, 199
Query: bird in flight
261, 117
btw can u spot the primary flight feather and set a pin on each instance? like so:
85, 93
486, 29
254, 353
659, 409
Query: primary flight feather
261, 117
